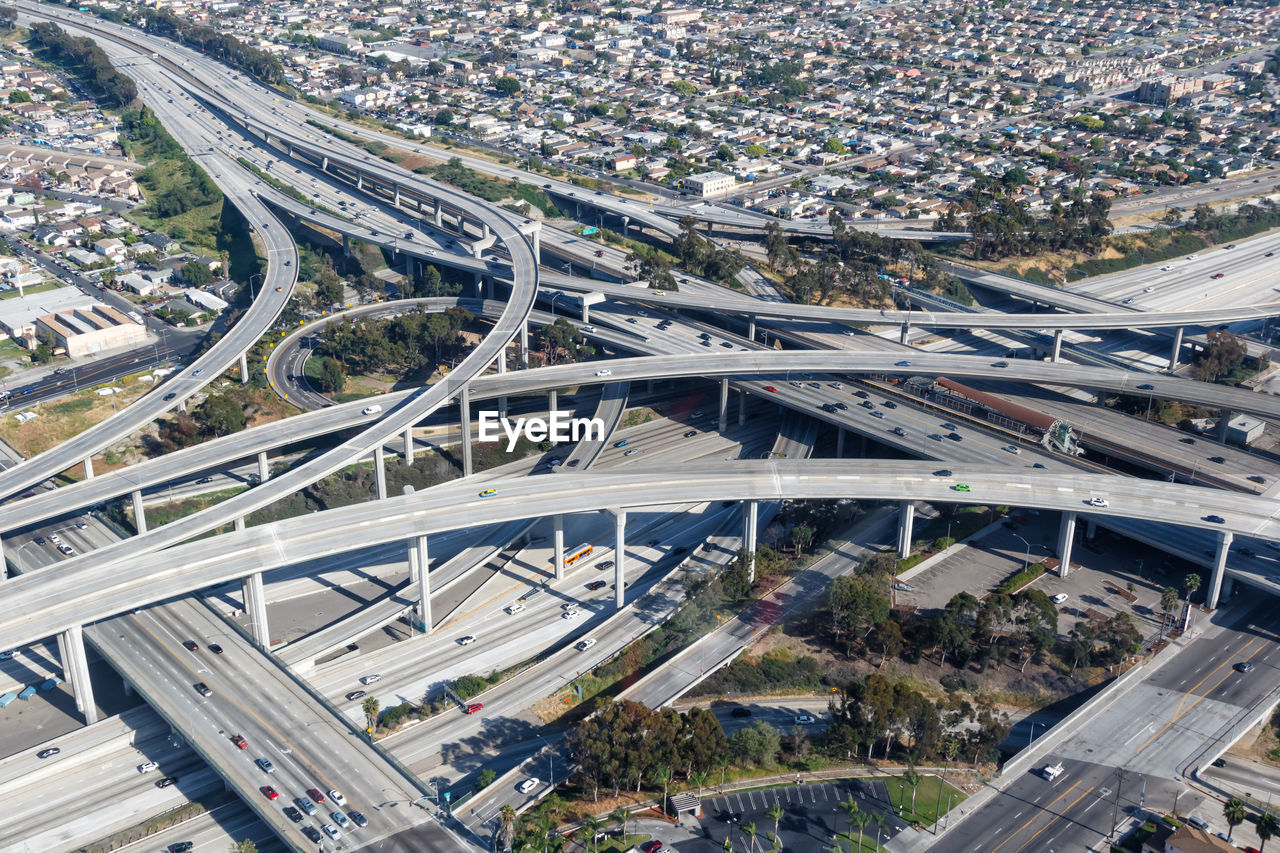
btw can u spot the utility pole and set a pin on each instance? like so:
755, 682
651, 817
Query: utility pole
1115, 812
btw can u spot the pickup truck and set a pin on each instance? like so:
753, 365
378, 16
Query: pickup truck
1052, 771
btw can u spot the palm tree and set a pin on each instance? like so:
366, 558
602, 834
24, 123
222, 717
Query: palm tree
621, 815
775, 813
860, 820
777, 842
662, 774
1267, 826
697, 780
370, 707
879, 820
592, 824
750, 830
850, 807
508, 825
912, 778
1234, 812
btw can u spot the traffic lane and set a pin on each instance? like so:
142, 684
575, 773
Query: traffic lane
1251, 636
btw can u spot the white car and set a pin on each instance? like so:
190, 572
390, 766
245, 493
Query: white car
337, 797
331, 831
1166, 268
1059, 598
528, 785
1012, 449
1192, 257
467, 640
604, 371
371, 410
1148, 289
805, 719
1098, 502
571, 614
515, 608
371, 679
585, 644
147, 767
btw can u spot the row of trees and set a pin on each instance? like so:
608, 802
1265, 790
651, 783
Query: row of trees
703, 257
88, 62
1002, 226
218, 415
396, 344
223, 47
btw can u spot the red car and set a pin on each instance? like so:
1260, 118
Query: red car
239, 741
473, 707
1219, 275
771, 389
314, 793
269, 792
651, 846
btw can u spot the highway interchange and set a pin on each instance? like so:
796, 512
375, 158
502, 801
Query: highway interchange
114, 581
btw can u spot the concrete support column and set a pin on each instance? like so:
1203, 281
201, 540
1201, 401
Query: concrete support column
418, 548
840, 443
1176, 349
537, 246
724, 403
524, 345
75, 666
408, 445
397, 195
906, 521
906, 330
742, 406
1219, 569
359, 181
88, 467
749, 536
244, 368
239, 523
1090, 529
255, 607
380, 471
1057, 344
4, 563
501, 364
558, 536
484, 231
264, 469
619, 558
751, 328
324, 164
346, 246
586, 312
435, 214
139, 513
1066, 538
551, 402
464, 411
1220, 429
479, 285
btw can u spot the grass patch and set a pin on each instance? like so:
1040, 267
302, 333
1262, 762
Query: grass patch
42, 287
59, 421
1018, 580
638, 415
928, 793
174, 510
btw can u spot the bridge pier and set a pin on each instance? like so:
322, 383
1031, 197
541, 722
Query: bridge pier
551, 401
264, 469
724, 404
619, 558
749, 537
501, 364
346, 246
1220, 429
1219, 569
906, 330
742, 407
436, 214
255, 607
1176, 349
1057, 344
1066, 538
419, 573
464, 411
626, 221
75, 667
139, 512
586, 312
751, 327
906, 522
244, 368
840, 442
4, 563
408, 445
524, 345
558, 535
324, 164
359, 181
380, 471
88, 467
396, 188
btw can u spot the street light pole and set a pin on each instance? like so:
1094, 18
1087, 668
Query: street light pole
1026, 559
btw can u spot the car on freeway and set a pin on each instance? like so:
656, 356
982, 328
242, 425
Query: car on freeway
1218, 275
312, 834
691, 433
1000, 364
1231, 245
515, 608
467, 640
903, 587
594, 585
740, 711
898, 431
604, 565
604, 371
190, 645
370, 679
805, 719
528, 785
771, 389
203, 689
1128, 301
651, 846
571, 614
1258, 478
631, 452
181, 847
314, 794
48, 753
473, 708
215, 648
1192, 258
622, 443
1096, 501
961, 487
355, 694
585, 644
358, 818
304, 804
488, 493
1166, 268
1244, 666
1187, 440
269, 792
903, 363
878, 414
371, 410
1059, 598
331, 831
1215, 519
170, 396
1218, 459
167, 781
942, 472
293, 814
239, 741
197, 371
340, 819
955, 436
265, 765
